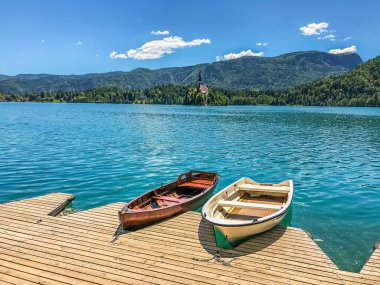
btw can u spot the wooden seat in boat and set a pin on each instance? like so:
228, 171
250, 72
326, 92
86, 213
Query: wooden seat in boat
248, 214
264, 188
167, 198
202, 181
236, 204
194, 185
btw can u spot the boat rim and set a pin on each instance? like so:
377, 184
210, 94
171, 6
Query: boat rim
232, 223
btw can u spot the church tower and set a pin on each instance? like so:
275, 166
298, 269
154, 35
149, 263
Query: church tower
200, 77
202, 88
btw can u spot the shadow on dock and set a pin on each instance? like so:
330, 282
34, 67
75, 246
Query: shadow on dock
245, 247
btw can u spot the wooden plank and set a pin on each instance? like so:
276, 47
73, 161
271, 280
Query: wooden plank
94, 271
264, 188
372, 266
44, 205
357, 278
62, 271
8, 279
34, 271
235, 204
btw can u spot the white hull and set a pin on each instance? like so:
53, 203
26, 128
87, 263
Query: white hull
246, 208
236, 234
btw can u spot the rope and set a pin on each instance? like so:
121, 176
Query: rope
118, 232
216, 259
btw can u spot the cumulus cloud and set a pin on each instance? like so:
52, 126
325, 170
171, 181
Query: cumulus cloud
314, 28
158, 33
158, 48
78, 43
320, 29
262, 44
329, 37
240, 54
351, 49
115, 55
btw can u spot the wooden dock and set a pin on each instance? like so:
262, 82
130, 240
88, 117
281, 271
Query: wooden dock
37, 247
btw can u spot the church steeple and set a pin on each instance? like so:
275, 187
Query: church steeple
202, 88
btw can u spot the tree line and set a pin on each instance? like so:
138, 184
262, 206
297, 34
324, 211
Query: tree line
359, 87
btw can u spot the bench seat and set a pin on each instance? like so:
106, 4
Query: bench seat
225, 203
264, 188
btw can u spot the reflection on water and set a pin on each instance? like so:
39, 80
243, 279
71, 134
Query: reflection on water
108, 153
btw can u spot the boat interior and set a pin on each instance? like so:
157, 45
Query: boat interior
253, 201
187, 186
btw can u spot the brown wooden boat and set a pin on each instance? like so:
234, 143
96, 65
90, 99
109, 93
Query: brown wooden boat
189, 192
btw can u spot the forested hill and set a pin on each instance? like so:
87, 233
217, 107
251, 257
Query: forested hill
264, 73
359, 87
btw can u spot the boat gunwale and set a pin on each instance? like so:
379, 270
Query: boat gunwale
240, 223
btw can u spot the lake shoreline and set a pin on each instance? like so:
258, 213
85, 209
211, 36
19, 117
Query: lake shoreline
153, 104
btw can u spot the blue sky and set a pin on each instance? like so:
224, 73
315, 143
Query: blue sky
77, 37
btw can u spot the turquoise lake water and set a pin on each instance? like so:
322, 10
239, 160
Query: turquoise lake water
109, 153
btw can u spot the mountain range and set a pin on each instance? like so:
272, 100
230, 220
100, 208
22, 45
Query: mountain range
261, 73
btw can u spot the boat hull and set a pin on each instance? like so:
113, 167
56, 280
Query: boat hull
130, 219
236, 235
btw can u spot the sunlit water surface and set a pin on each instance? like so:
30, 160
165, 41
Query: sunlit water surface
109, 153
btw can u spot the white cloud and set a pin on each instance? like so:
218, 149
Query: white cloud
329, 37
262, 44
321, 30
158, 33
43, 41
115, 55
78, 43
240, 54
314, 29
158, 48
351, 49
